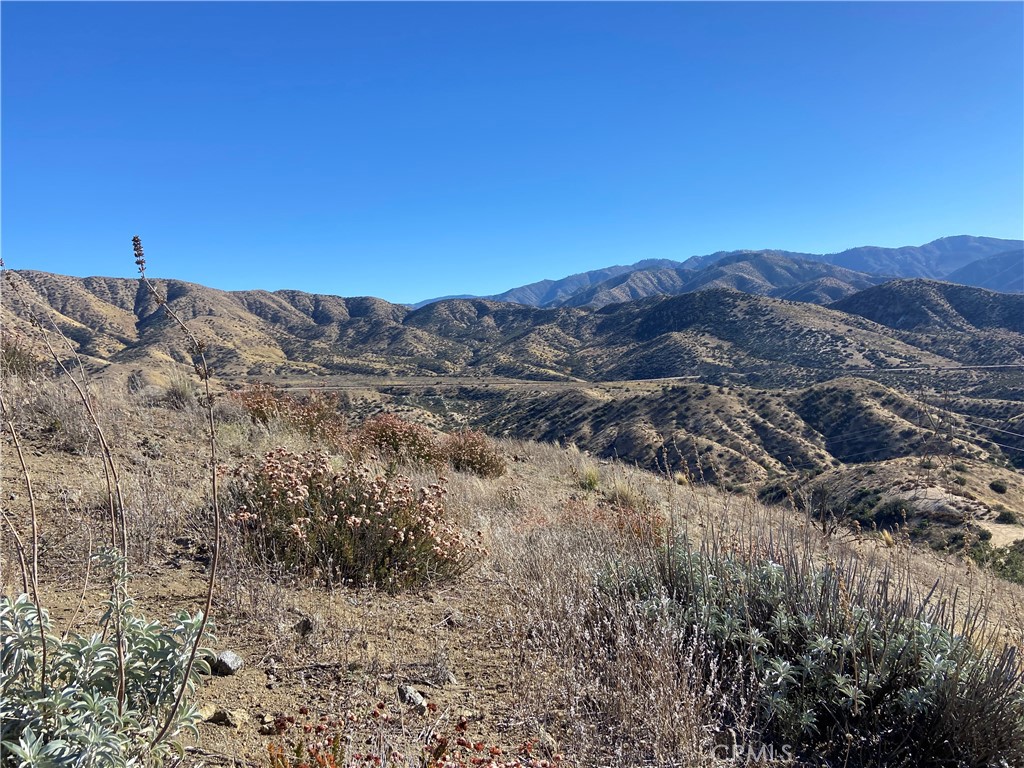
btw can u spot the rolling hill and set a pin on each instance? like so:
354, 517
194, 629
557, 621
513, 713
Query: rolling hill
712, 332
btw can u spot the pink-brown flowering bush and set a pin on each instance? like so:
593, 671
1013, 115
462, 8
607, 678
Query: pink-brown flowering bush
472, 451
315, 414
397, 441
354, 527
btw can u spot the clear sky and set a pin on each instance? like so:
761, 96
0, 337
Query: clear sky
415, 150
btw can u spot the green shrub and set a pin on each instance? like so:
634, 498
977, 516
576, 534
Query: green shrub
890, 514
998, 486
1006, 562
398, 441
774, 492
1007, 516
71, 716
472, 451
845, 667
352, 527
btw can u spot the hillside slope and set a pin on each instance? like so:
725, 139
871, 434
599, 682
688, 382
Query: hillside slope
712, 332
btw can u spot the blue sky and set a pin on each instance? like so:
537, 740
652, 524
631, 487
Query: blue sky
415, 150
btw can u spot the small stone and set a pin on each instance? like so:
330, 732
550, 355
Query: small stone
409, 695
227, 663
238, 718
450, 679
207, 712
233, 718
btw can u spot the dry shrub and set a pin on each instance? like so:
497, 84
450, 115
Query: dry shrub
354, 527
17, 358
397, 441
644, 524
44, 408
619, 694
315, 415
472, 451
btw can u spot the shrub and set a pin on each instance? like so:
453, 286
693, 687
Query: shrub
315, 415
1007, 516
1006, 562
352, 527
774, 492
589, 478
17, 358
399, 442
71, 716
472, 451
998, 486
181, 392
843, 666
262, 402
890, 514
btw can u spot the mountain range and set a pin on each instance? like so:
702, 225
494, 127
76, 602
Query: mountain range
716, 331
984, 262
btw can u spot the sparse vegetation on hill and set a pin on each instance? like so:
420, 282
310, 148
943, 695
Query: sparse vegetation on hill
404, 587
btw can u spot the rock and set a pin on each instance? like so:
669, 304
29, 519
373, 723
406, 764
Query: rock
409, 695
238, 718
450, 679
233, 718
227, 663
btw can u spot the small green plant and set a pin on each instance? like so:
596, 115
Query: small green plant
472, 451
353, 527
73, 710
998, 486
589, 478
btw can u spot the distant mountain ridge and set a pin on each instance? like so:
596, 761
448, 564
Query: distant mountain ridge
714, 331
962, 259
